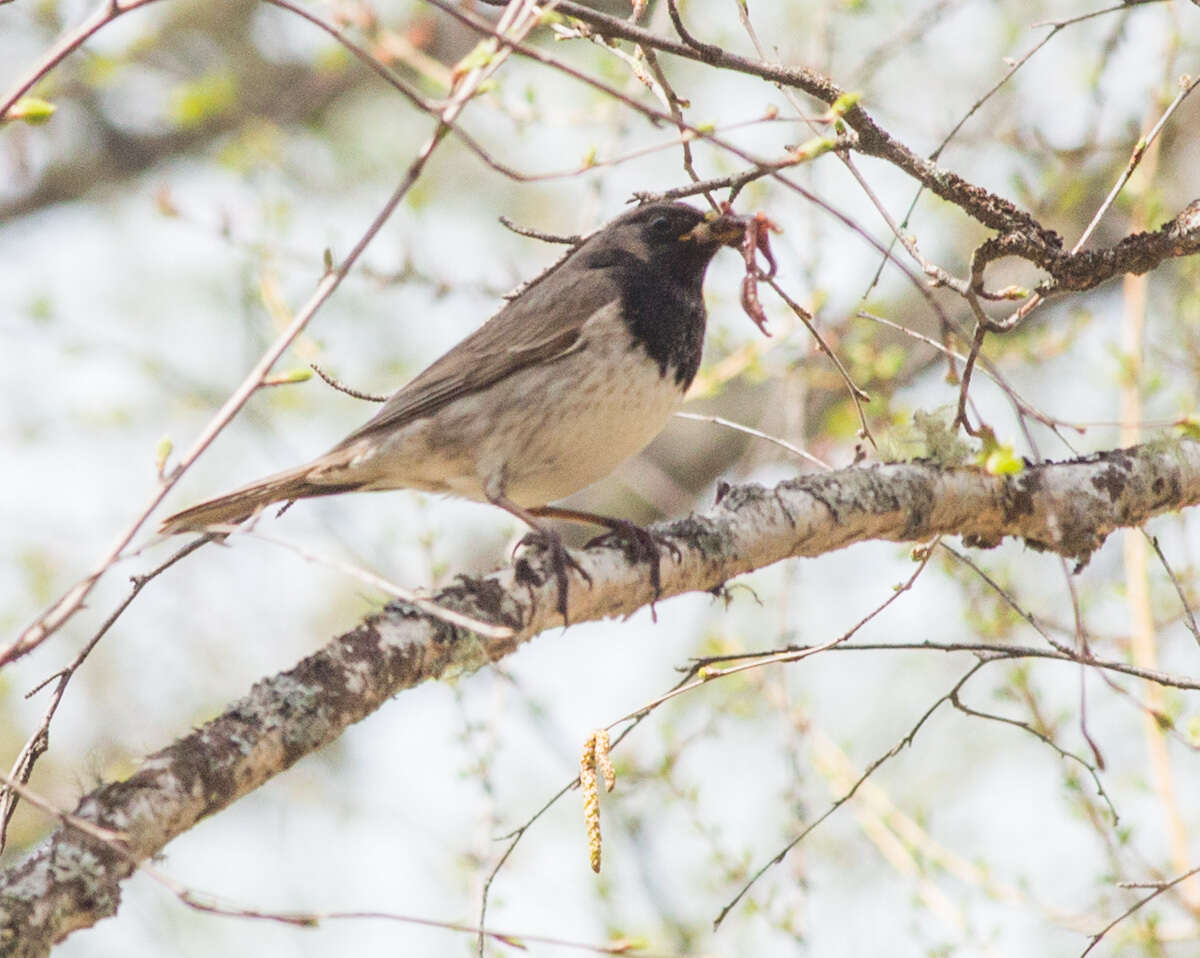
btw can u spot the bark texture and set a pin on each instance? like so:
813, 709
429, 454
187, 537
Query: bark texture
73, 880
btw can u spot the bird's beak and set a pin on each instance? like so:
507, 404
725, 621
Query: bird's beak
725, 229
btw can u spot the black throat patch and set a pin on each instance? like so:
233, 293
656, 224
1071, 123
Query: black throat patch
663, 309
667, 320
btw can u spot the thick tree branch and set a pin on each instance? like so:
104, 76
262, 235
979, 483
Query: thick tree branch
1018, 232
988, 208
73, 879
1137, 253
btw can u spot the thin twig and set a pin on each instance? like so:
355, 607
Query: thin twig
517, 834
377, 581
210, 904
958, 703
1060, 647
1137, 906
621, 28
845, 796
91, 829
1022, 405
857, 395
71, 41
975, 107
70, 603
707, 675
1189, 618
343, 388
756, 433
532, 233
993, 651
1135, 158
964, 386
37, 744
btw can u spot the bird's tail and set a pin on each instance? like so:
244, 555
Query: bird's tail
241, 504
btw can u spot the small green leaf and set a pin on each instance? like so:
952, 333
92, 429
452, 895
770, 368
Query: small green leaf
480, 57
289, 377
162, 451
1002, 461
1190, 426
30, 109
813, 148
845, 103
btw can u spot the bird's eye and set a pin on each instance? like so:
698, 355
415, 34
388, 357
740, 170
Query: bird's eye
661, 227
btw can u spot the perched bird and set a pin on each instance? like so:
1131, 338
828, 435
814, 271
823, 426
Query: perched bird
575, 374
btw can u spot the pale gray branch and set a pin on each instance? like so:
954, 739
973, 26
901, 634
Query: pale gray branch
73, 879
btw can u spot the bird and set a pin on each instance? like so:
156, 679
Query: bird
576, 373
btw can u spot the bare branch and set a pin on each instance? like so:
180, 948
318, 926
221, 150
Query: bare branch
468, 85
842, 799
1159, 888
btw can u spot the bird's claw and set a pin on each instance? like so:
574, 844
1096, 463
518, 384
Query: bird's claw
641, 545
560, 561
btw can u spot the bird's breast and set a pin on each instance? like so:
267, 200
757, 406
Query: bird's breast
569, 423
542, 432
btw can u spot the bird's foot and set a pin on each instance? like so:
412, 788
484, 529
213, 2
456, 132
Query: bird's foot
560, 561
640, 545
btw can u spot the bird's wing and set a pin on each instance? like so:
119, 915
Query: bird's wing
541, 324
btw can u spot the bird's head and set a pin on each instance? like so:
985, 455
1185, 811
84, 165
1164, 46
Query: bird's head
675, 234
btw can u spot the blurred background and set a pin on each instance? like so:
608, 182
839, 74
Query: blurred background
159, 230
